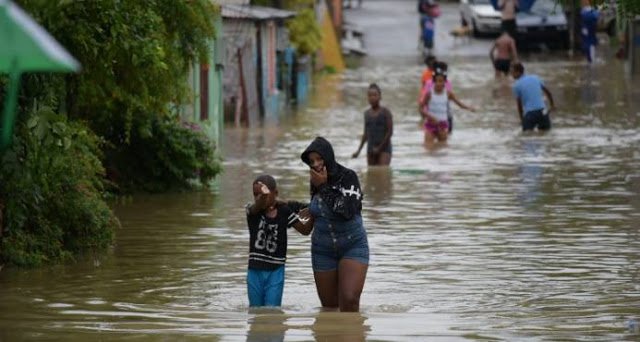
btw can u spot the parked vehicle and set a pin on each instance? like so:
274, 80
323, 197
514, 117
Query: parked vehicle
480, 16
544, 22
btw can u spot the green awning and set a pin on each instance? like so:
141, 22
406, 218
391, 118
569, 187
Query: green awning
26, 47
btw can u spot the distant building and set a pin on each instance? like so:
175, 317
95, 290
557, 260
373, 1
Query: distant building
256, 43
205, 80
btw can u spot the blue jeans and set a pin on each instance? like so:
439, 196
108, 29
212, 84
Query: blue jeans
265, 287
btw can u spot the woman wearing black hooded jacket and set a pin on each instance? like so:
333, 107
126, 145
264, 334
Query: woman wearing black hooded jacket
339, 247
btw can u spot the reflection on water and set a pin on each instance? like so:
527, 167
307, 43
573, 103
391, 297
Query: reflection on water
267, 326
531, 171
378, 185
499, 236
339, 327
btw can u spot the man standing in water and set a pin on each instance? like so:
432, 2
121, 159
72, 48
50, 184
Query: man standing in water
528, 91
503, 53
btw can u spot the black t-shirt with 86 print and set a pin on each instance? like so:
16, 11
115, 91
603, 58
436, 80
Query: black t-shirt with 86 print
268, 236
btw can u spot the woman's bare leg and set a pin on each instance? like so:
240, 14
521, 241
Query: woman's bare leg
384, 158
351, 277
372, 159
327, 287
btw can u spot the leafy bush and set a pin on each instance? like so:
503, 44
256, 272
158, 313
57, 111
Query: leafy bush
51, 185
165, 158
305, 33
135, 57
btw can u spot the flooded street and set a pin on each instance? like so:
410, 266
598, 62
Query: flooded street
497, 236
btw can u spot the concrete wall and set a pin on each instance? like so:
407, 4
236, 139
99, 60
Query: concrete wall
192, 112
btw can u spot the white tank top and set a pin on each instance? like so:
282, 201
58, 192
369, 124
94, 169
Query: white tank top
439, 105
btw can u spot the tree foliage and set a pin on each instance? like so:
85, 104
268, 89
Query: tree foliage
113, 119
626, 8
181, 152
135, 57
305, 33
629, 8
306, 36
51, 184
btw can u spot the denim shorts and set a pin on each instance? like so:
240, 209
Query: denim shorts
265, 287
328, 247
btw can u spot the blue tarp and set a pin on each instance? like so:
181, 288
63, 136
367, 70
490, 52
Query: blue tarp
523, 5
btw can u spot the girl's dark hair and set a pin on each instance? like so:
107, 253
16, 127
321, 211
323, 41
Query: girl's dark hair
440, 68
441, 65
375, 87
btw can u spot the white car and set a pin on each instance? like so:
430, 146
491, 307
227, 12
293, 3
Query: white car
480, 16
544, 22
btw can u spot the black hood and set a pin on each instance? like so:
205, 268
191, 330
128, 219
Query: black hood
323, 147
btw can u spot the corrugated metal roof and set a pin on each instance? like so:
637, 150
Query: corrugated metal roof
254, 12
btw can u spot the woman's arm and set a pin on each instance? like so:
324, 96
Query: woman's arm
304, 225
298, 216
363, 138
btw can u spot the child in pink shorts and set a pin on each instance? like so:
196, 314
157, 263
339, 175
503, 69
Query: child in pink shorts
435, 109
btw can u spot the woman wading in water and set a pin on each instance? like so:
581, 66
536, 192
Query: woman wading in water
339, 247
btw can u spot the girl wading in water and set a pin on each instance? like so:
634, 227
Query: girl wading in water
378, 128
339, 247
435, 110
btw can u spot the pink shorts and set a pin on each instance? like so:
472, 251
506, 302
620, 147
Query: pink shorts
434, 128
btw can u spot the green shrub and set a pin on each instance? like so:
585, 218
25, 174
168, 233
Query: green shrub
168, 157
135, 58
304, 31
51, 185
306, 36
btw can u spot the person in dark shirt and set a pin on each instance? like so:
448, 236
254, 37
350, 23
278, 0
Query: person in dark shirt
378, 128
268, 220
339, 246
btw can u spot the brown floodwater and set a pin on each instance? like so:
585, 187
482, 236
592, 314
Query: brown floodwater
497, 236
